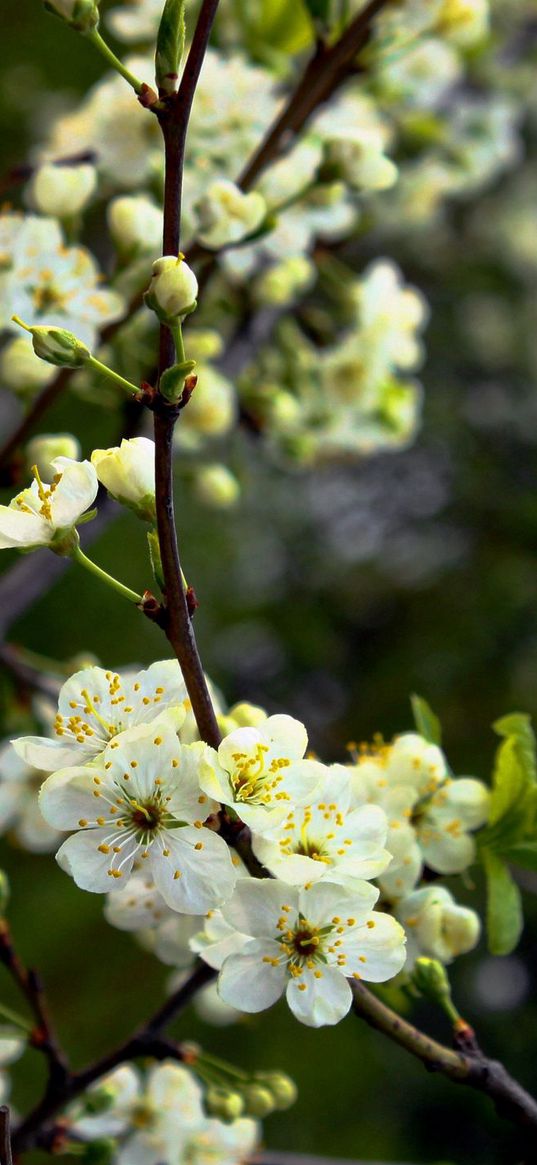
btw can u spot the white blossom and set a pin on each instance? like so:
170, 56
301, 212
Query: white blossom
260, 771
141, 803
135, 224
227, 215
96, 704
45, 282
173, 288
20, 814
45, 515
306, 943
327, 839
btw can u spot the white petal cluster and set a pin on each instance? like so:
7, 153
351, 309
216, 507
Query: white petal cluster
45, 282
20, 816
62, 191
430, 813
45, 515
160, 1117
226, 215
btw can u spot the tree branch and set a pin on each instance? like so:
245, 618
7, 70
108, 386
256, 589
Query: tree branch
30, 986
176, 620
5, 1136
475, 1070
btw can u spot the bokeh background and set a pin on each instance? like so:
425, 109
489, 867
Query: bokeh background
331, 596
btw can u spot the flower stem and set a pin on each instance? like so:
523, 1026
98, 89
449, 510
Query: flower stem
14, 1017
79, 556
97, 40
177, 333
104, 370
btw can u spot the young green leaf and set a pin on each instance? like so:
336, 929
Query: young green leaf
504, 906
170, 46
523, 854
426, 721
518, 726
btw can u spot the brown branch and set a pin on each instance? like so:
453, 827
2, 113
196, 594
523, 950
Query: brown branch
30, 986
475, 1070
5, 1136
147, 1041
176, 618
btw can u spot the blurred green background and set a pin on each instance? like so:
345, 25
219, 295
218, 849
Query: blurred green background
330, 597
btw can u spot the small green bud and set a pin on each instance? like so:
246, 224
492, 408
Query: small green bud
258, 1101
284, 1090
82, 15
217, 487
155, 559
431, 979
5, 892
170, 46
224, 1103
56, 346
172, 381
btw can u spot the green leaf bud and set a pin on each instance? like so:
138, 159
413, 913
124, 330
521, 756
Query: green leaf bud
170, 46
82, 15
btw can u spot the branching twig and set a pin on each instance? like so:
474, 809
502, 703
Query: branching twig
29, 983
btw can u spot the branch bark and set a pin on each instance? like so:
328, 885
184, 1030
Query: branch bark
475, 1070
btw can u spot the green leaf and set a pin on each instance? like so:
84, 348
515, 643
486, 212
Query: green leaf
504, 906
170, 46
524, 854
509, 780
426, 721
518, 726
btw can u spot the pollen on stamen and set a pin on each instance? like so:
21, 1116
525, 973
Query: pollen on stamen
198, 845
177, 875
82, 822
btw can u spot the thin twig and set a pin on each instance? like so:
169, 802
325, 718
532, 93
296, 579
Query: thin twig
176, 618
30, 986
5, 1136
476, 1071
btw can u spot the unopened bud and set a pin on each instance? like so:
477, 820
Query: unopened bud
216, 486
57, 346
42, 450
135, 224
128, 473
431, 979
173, 289
258, 1101
62, 191
83, 15
224, 1103
170, 46
282, 1088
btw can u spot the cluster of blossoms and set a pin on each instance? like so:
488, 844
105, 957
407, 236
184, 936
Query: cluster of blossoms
392, 147
341, 849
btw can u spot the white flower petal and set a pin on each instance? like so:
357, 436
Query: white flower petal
321, 1001
248, 983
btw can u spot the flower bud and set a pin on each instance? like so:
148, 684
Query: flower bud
128, 473
283, 1089
80, 14
227, 215
258, 1101
284, 281
224, 1103
20, 370
135, 224
173, 289
42, 450
57, 346
62, 191
431, 979
216, 486
356, 157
